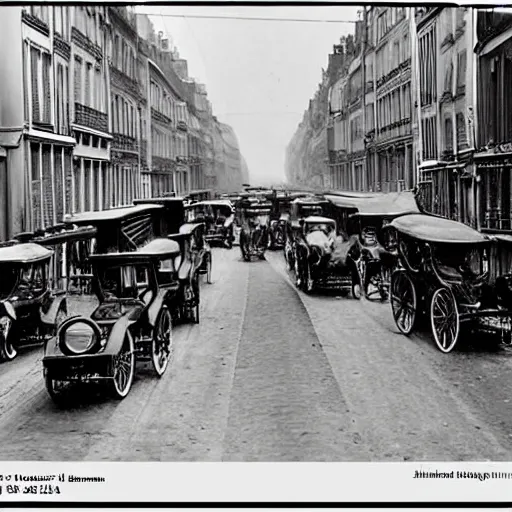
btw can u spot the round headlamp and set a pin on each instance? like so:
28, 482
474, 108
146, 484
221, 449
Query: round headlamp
79, 336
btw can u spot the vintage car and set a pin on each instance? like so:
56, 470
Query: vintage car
137, 292
366, 214
30, 310
196, 196
253, 216
450, 275
218, 217
281, 207
191, 236
325, 260
300, 208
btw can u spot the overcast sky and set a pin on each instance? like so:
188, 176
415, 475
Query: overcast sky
259, 75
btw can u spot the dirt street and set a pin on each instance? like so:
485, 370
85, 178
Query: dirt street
274, 375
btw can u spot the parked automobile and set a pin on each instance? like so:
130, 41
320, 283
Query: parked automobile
218, 217
137, 292
324, 260
30, 310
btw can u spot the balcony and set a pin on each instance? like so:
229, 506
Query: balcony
91, 118
86, 44
395, 130
161, 118
35, 22
124, 82
123, 142
61, 46
182, 125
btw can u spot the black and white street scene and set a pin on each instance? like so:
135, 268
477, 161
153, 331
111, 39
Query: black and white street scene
255, 233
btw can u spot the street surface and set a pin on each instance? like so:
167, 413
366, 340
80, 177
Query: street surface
271, 374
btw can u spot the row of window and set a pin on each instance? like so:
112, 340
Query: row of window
461, 72
447, 18
89, 84
37, 71
124, 57
165, 104
124, 116
87, 22
428, 66
166, 145
388, 19
392, 54
394, 106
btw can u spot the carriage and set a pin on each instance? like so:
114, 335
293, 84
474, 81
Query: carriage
218, 217
446, 275
30, 310
366, 214
137, 291
253, 216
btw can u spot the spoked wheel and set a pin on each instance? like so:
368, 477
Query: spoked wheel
356, 289
191, 300
124, 369
384, 284
288, 259
444, 318
403, 301
161, 344
7, 350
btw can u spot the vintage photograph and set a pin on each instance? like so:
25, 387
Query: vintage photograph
242, 233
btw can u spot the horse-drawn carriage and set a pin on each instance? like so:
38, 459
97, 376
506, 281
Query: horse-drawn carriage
253, 214
449, 274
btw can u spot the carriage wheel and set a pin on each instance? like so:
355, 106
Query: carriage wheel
7, 350
384, 283
288, 259
279, 238
356, 290
124, 369
403, 301
194, 311
444, 318
161, 344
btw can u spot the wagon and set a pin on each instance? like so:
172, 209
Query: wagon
30, 310
136, 291
445, 276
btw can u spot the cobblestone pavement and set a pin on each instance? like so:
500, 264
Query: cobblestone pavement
273, 374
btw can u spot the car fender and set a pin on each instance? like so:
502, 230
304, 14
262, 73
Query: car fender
49, 317
156, 306
7, 309
117, 334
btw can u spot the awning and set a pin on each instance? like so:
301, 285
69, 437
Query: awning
51, 137
497, 41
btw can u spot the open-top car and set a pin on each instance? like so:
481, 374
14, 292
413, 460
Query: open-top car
137, 292
325, 260
446, 274
218, 217
30, 310
253, 214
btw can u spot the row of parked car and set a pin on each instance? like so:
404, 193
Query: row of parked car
143, 263
436, 272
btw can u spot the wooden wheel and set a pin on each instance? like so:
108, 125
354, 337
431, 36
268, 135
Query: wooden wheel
161, 343
445, 320
403, 301
124, 369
